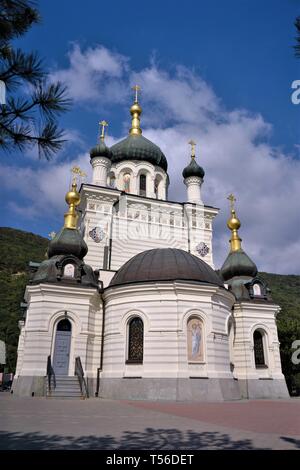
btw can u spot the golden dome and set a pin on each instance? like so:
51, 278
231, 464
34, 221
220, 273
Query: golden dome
73, 197
233, 223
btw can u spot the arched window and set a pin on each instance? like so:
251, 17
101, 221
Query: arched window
112, 181
157, 186
126, 182
143, 185
256, 289
69, 270
259, 355
135, 341
64, 325
195, 340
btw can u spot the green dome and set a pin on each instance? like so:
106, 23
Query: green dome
68, 242
100, 150
137, 147
193, 169
238, 264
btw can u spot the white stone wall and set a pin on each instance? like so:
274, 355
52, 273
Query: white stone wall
247, 317
135, 224
165, 309
47, 306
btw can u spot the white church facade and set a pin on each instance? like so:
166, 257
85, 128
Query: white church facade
128, 304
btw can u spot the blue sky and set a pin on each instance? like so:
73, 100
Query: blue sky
219, 72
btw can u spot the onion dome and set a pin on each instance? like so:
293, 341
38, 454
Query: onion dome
237, 263
165, 264
135, 146
193, 169
68, 240
101, 149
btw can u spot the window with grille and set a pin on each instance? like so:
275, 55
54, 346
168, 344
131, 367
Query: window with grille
259, 349
135, 341
142, 185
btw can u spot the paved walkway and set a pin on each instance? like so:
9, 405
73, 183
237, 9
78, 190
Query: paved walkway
38, 423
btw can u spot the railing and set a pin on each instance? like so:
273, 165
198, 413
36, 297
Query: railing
50, 375
80, 374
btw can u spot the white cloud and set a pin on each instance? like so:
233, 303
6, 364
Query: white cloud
93, 75
232, 146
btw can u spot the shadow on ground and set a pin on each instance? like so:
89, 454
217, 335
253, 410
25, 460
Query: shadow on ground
149, 439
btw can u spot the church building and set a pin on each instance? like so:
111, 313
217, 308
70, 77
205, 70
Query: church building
128, 304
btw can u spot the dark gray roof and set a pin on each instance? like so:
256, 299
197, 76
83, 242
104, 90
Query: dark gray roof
137, 147
239, 264
193, 169
165, 264
100, 150
68, 242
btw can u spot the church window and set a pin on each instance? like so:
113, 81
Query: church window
256, 289
259, 355
157, 186
135, 341
112, 182
126, 183
69, 270
195, 340
142, 185
64, 325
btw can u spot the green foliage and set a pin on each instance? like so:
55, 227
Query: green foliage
28, 117
17, 249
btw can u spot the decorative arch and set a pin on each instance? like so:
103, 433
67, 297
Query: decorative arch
134, 313
199, 313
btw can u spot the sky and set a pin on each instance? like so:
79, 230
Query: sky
217, 72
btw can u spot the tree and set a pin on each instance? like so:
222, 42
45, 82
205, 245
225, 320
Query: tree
297, 47
28, 115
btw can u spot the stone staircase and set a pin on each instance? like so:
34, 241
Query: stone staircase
66, 387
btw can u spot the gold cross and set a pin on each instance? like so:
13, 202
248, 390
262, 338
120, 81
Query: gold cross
76, 170
136, 89
232, 200
103, 124
193, 145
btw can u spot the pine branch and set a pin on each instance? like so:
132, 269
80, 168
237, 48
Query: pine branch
297, 47
16, 17
19, 66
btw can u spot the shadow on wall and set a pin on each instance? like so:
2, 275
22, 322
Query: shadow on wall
149, 439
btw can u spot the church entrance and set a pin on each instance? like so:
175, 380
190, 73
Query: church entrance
62, 348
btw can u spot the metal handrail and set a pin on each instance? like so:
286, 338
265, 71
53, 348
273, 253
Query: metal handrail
50, 375
80, 374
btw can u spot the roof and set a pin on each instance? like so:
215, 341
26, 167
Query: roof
193, 169
68, 242
165, 264
137, 147
239, 264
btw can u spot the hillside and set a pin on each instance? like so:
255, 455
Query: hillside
19, 247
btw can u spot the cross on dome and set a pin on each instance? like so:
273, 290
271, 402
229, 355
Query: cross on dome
102, 125
193, 145
136, 89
